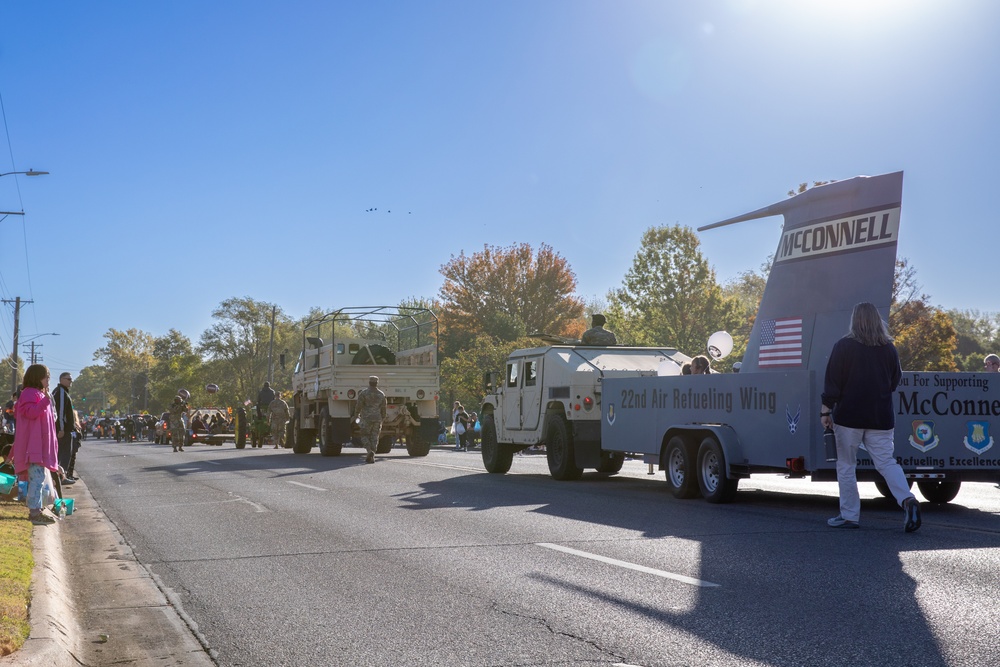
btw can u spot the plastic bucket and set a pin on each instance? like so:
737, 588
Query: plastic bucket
7, 483
66, 502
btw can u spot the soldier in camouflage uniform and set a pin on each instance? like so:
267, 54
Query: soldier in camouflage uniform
371, 413
178, 432
598, 335
277, 417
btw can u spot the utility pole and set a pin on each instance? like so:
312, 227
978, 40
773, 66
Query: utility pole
270, 349
17, 320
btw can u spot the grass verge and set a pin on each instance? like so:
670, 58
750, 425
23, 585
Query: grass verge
16, 564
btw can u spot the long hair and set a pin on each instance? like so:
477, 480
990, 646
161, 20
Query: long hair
35, 376
868, 327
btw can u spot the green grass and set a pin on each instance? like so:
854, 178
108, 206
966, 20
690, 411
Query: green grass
16, 564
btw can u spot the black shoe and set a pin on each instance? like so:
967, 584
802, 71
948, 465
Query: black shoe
911, 512
69, 481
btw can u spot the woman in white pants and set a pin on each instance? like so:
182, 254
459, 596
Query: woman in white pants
861, 376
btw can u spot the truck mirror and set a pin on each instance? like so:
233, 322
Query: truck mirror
488, 382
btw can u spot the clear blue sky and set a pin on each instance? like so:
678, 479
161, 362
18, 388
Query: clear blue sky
203, 150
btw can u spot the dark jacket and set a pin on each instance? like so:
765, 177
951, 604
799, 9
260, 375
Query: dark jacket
860, 381
62, 408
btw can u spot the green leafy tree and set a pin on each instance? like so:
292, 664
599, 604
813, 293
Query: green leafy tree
506, 292
176, 366
978, 334
923, 334
239, 340
670, 295
127, 355
462, 373
88, 390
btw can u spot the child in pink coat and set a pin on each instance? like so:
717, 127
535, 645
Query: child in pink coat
35, 446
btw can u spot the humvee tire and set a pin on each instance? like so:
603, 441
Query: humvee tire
384, 445
559, 451
417, 447
611, 462
497, 458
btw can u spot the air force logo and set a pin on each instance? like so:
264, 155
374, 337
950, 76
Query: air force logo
923, 436
611, 414
979, 439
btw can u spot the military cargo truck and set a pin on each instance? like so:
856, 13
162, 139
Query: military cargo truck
340, 350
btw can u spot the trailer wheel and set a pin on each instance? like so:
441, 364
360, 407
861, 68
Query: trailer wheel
497, 458
327, 447
883, 487
559, 451
611, 462
715, 486
680, 469
938, 490
384, 445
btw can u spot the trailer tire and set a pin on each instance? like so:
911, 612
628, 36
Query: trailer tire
938, 490
715, 486
679, 464
497, 458
327, 447
559, 451
611, 462
384, 445
883, 487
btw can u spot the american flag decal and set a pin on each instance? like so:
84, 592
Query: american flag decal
780, 342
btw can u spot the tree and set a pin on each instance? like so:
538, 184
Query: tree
670, 295
924, 334
506, 292
978, 335
127, 355
88, 390
240, 341
176, 366
462, 373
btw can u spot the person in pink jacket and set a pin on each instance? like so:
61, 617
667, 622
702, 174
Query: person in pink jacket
35, 446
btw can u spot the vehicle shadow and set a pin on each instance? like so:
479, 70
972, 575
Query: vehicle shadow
792, 590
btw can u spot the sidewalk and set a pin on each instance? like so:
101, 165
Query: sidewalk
92, 603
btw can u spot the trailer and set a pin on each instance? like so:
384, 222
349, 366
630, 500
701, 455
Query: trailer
707, 432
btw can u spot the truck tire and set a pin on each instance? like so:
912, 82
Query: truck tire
415, 446
374, 354
301, 440
384, 445
938, 490
611, 462
715, 486
497, 458
559, 451
679, 468
327, 447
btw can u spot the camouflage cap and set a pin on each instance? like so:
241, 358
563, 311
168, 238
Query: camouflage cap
372, 379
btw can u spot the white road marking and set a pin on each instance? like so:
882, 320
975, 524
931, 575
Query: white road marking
630, 566
215, 463
314, 488
436, 465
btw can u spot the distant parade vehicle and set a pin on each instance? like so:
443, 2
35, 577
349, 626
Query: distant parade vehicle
593, 406
340, 351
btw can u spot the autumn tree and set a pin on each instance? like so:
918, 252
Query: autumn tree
670, 295
127, 356
462, 373
978, 334
924, 334
239, 340
507, 292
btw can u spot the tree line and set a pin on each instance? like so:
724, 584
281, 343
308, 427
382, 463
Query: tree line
490, 302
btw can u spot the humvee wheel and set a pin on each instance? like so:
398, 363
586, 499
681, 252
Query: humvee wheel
497, 458
559, 451
712, 480
679, 469
938, 490
327, 447
611, 462
384, 445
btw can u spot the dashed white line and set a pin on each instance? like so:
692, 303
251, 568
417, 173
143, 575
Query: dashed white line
215, 463
314, 488
630, 566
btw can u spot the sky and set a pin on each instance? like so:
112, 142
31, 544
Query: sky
199, 151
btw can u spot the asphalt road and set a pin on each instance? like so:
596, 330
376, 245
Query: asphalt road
283, 559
